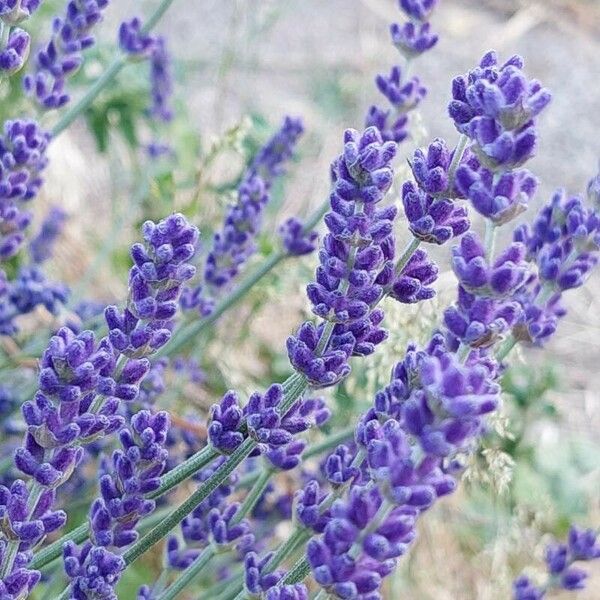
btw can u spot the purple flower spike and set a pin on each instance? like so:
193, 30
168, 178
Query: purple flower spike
338, 468
411, 285
161, 79
132, 41
14, 56
271, 158
500, 200
420, 10
162, 266
560, 558
23, 295
331, 557
356, 251
135, 472
524, 589
392, 126
23, 149
480, 322
62, 56
413, 39
404, 96
94, 571
295, 240
307, 507
226, 418
41, 246
504, 277
433, 220
496, 107
564, 241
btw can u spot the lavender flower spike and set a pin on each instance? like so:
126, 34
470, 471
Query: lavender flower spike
357, 250
295, 240
496, 107
133, 42
135, 472
41, 246
62, 56
582, 545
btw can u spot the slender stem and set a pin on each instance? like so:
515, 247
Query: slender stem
184, 471
332, 441
188, 575
291, 544
107, 77
253, 495
407, 255
459, 151
189, 332
490, 239
249, 503
507, 345
168, 482
185, 508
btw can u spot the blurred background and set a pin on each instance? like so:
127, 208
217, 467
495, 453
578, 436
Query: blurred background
240, 67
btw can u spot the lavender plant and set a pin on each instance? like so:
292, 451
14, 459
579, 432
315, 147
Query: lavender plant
104, 419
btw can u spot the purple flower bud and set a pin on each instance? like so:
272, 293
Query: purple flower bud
413, 39
420, 10
16, 52
62, 56
295, 240
132, 41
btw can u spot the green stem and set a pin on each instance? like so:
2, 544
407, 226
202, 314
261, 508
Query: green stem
189, 332
490, 239
407, 255
507, 345
332, 441
188, 575
253, 495
185, 508
107, 77
459, 151
173, 478
249, 503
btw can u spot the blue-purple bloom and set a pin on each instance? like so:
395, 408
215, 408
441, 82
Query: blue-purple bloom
296, 241
13, 12
133, 41
161, 81
355, 261
16, 52
582, 545
496, 106
412, 39
62, 56
134, 473
42, 245
499, 199
433, 220
22, 296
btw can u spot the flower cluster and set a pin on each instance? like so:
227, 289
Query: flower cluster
261, 419
83, 382
134, 473
582, 546
235, 242
62, 56
356, 256
23, 151
161, 267
42, 245
404, 94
